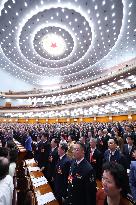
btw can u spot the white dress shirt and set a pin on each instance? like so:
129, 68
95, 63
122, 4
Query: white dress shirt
12, 168
6, 190
78, 162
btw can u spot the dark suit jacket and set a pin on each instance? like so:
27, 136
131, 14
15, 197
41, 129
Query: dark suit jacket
44, 151
132, 179
61, 177
102, 144
128, 155
96, 162
81, 184
53, 158
117, 157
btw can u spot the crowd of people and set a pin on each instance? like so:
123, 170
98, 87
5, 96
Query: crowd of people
74, 157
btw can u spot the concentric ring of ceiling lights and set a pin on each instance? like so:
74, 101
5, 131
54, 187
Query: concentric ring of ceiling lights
49, 34
52, 45
45, 18
88, 29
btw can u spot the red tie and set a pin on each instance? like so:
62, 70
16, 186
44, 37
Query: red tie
91, 155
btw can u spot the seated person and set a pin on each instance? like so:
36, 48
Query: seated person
132, 176
6, 183
115, 187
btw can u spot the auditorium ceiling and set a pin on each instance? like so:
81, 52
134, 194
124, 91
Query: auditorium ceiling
65, 42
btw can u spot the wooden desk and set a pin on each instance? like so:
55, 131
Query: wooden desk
42, 189
22, 152
36, 174
45, 189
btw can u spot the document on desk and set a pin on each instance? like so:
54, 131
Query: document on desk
45, 198
29, 161
32, 169
39, 181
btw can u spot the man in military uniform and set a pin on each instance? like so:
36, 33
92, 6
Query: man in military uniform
81, 180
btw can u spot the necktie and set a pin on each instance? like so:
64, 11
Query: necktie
129, 149
91, 155
112, 158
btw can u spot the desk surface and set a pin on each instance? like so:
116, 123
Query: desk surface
42, 189
36, 174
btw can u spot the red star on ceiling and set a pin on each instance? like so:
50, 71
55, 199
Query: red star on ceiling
53, 45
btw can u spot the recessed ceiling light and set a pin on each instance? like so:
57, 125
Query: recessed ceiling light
97, 15
88, 11
113, 6
96, 7
103, 2
25, 3
113, 14
130, 5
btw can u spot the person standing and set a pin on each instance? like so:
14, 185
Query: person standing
95, 158
53, 159
44, 148
81, 180
115, 185
132, 175
61, 174
28, 146
128, 150
6, 183
113, 154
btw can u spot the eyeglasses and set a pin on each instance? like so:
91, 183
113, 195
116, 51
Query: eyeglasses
106, 180
110, 142
76, 149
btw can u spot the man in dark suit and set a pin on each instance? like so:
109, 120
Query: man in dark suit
44, 151
102, 142
113, 154
128, 150
95, 158
35, 148
53, 158
86, 144
61, 173
81, 180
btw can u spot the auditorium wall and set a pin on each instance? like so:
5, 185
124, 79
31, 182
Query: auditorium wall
101, 119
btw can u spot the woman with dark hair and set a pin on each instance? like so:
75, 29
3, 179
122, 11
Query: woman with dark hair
115, 185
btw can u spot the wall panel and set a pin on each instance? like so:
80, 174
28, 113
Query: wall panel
101, 119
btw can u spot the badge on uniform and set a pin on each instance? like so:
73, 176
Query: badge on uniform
78, 176
70, 179
59, 171
91, 179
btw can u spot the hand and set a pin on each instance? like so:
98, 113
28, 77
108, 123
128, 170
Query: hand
50, 159
42, 169
63, 200
52, 179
